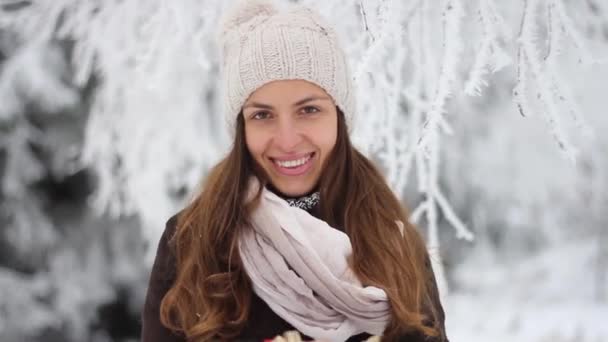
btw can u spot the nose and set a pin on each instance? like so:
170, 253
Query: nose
287, 136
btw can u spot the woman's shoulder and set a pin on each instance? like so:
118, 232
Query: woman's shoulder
171, 226
169, 231
164, 262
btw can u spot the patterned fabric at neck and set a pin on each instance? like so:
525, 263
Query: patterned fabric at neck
305, 202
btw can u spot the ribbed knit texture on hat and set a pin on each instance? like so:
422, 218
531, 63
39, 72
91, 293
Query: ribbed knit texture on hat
262, 43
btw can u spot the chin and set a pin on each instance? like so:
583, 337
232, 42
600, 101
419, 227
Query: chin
293, 190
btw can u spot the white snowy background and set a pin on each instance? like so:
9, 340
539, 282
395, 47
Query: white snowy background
488, 117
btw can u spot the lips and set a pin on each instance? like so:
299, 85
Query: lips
293, 165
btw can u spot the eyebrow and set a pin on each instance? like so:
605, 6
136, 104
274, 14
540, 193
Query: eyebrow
299, 103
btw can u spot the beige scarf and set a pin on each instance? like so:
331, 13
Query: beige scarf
299, 266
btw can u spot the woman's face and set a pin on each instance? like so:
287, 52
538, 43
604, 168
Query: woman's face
291, 127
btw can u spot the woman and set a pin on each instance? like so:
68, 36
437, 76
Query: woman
294, 229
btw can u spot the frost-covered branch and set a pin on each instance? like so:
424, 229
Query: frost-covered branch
570, 29
453, 45
547, 88
490, 55
365, 24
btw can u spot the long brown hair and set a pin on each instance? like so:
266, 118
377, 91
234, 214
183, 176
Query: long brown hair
211, 296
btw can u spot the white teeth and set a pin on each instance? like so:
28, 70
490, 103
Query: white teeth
293, 163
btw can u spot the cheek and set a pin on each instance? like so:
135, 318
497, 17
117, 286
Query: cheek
327, 137
256, 142
327, 144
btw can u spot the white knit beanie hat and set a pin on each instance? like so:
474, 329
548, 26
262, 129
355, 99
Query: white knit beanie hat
262, 43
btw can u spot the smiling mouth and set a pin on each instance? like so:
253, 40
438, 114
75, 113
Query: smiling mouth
294, 167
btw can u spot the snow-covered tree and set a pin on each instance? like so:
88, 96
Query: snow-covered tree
481, 113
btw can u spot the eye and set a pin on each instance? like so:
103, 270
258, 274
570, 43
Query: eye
260, 115
310, 110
